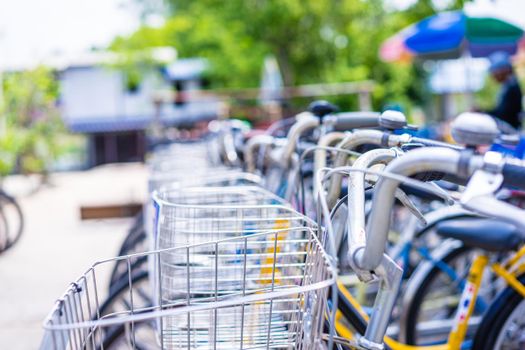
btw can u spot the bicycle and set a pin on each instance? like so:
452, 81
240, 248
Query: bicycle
264, 305
198, 288
416, 161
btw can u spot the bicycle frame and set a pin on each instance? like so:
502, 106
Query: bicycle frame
509, 271
372, 256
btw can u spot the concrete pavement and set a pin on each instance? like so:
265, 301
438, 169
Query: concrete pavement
57, 247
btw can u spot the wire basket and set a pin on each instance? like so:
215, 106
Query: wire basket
199, 214
277, 300
206, 177
202, 214
191, 155
178, 164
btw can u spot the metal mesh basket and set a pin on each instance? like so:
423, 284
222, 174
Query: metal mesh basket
178, 152
189, 164
216, 176
200, 154
200, 214
276, 298
178, 166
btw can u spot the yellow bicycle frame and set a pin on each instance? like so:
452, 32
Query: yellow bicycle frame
509, 271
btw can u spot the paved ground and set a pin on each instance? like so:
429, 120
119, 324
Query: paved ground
57, 247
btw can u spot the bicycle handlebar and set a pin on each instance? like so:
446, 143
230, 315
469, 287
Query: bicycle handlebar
254, 144
375, 137
434, 143
305, 122
339, 122
353, 120
416, 161
353, 140
514, 175
430, 159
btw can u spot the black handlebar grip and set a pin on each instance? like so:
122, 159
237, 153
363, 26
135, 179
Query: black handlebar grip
514, 176
434, 143
352, 120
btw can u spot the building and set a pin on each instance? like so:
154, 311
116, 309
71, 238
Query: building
100, 102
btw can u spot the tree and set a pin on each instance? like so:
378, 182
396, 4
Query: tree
30, 122
313, 41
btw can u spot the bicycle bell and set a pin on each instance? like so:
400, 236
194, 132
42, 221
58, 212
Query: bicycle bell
392, 120
474, 129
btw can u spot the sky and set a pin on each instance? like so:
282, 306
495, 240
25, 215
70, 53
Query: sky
32, 31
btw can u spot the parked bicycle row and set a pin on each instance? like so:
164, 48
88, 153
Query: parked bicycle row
329, 230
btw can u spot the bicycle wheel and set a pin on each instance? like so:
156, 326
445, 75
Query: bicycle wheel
4, 232
12, 221
119, 298
430, 313
135, 232
141, 337
134, 243
125, 295
503, 326
120, 271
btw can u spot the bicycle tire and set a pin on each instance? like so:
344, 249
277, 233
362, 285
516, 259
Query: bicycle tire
11, 240
350, 313
118, 274
120, 266
136, 235
117, 293
115, 334
416, 305
4, 232
495, 318
134, 238
136, 229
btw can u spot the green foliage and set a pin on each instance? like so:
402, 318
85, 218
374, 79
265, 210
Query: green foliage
313, 41
30, 122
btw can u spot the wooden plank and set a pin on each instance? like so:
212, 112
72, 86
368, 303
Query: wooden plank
110, 211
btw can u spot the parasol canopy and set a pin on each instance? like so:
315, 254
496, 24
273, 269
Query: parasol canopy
450, 35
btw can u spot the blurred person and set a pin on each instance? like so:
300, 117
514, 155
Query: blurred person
509, 103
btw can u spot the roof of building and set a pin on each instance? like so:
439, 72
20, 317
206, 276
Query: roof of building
183, 115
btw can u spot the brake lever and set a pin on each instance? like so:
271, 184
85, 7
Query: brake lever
407, 202
443, 194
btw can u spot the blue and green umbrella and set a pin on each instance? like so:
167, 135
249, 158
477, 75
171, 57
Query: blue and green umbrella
450, 35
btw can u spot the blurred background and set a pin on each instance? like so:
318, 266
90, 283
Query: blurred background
84, 86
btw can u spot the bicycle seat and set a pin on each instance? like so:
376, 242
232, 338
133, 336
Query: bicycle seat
322, 108
488, 234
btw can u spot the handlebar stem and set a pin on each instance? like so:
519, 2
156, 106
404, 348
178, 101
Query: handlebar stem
356, 201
